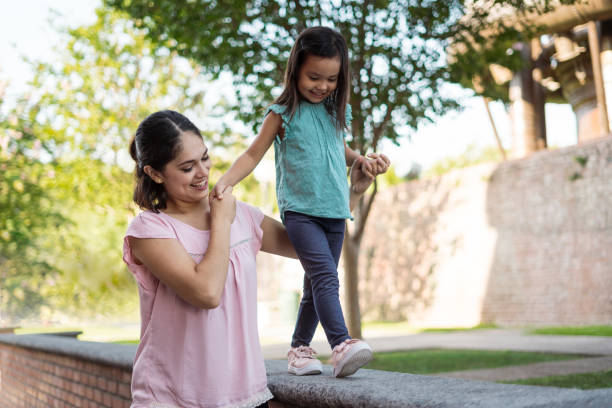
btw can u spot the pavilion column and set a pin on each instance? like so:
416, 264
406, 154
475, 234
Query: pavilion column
539, 96
606, 63
594, 50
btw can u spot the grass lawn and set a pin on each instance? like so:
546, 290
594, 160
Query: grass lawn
455, 329
588, 381
575, 331
441, 360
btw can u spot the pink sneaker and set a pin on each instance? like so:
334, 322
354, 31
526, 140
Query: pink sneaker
302, 361
349, 356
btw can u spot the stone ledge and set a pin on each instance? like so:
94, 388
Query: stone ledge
118, 355
367, 388
374, 388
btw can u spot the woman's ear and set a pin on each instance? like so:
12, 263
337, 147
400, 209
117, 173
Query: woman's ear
155, 175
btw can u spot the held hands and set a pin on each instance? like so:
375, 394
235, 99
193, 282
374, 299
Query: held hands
223, 209
363, 171
218, 190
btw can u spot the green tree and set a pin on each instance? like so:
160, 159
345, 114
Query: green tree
26, 211
397, 50
66, 181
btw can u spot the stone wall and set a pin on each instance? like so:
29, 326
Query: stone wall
525, 242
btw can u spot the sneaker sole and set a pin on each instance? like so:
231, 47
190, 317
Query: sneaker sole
354, 362
311, 369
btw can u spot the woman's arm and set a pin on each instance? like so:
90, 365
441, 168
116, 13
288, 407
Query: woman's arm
246, 162
200, 284
275, 239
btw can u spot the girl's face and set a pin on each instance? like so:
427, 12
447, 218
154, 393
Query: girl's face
186, 177
318, 78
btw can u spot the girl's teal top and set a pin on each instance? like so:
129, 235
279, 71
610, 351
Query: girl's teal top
311, 174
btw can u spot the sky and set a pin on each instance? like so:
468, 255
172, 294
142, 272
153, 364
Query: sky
25, 30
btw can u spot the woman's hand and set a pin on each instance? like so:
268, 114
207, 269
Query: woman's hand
223, 210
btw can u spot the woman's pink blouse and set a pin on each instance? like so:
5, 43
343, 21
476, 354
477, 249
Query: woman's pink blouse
191, 357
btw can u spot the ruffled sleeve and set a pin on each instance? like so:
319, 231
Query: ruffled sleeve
254, 217
146, 225
281, 110
284, 114
349, 116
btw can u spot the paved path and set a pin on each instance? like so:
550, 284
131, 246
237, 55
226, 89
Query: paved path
492, 339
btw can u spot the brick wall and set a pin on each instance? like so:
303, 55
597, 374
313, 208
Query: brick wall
32, 378
526, 242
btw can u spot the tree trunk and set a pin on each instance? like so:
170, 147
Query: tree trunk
350, 257
524, 123
497, 138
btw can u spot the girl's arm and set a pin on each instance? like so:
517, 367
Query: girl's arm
200, 284
350, 155
247, 161
352, 158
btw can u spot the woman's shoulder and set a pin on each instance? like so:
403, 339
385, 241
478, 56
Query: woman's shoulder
249, 212
149, 224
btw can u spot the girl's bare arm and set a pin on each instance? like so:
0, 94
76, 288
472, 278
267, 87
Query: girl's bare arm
246, 162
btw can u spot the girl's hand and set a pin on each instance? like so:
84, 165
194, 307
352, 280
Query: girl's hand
379, 163
218, 190
364, 164
223, 210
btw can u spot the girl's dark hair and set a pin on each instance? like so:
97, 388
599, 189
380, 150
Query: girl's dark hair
321, 42
157, 141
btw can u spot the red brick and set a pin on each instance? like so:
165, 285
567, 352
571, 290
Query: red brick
97, 395
107, 399
125, 391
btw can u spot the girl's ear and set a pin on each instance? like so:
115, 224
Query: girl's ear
155, 175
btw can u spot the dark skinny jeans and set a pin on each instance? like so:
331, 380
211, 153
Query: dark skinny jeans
318, 243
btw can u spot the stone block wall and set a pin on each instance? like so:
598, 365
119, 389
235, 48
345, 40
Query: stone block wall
525, 242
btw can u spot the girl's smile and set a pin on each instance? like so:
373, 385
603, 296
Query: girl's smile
318, 78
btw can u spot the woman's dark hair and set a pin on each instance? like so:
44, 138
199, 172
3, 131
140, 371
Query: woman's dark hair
157, 141
321, 42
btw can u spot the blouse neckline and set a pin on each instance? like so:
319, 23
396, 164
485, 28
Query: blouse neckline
186, 224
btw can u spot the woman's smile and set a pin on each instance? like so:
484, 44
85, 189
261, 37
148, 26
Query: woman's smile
201, 186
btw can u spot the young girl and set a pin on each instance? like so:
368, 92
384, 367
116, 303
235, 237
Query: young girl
306, 125
194, 262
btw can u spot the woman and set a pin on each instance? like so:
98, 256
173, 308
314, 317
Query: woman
194, 261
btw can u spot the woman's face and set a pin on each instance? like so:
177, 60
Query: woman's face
318, 78
186, 177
